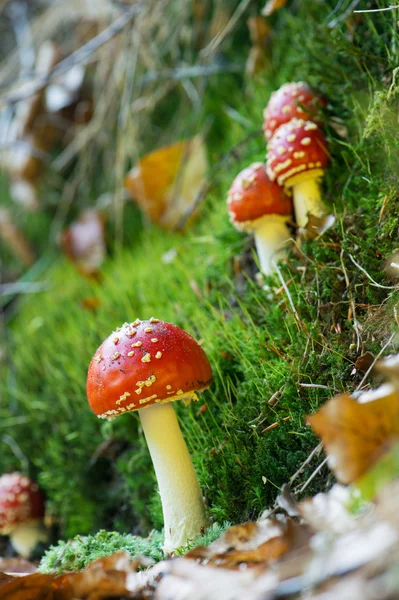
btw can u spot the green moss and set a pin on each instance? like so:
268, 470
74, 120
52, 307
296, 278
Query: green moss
262, 345
77, 553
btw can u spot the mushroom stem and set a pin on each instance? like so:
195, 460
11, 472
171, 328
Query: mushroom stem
181, 497
24, 538
270, 235
307, 200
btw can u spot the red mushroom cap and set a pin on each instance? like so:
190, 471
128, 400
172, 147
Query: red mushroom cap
252, 195
142, 363
292, 100
295, 149
21, 501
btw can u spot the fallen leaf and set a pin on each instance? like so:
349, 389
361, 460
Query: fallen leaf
103, 579
271, 6
250, 544
16, 565
389, 367
84, 242
329, 511
356, 433
258, 58
316, 226
166, 182
363, 362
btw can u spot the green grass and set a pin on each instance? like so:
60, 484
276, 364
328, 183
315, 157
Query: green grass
261, 345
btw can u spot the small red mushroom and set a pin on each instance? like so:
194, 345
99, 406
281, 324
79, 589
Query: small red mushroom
292, 100
257, 204
21, 512
145, 366
296, 158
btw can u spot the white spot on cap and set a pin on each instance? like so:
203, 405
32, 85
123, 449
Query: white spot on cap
306, 141
146, 358
158, 355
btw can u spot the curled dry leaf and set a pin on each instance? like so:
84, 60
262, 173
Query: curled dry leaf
16, 565
84, 242
166, 182
389, 367
356, 433
103, 579
249, 544
316, 226
271, 6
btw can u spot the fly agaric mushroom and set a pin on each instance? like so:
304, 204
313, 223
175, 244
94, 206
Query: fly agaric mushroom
145, 366
21, 512
296, 158
292, 100
257, 204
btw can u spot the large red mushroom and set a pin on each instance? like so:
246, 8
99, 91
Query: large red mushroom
292, 100
296, 159
259, 205
21, 512
146, 366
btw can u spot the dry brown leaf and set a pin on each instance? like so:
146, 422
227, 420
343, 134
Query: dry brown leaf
84, 242
363, 362
316, 226
355, 433
250, 544
166, 182
271, 6
103, 579
16, 565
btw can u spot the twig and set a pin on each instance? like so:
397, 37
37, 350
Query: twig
373, 282
189, 72
312, 476
9, 441
374, 10
315, 385
287, 292
374, 361
22, 287
79, 56
307, 461
352, 302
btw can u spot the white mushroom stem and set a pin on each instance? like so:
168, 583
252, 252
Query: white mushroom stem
26, 536
182, 503
307, 200
271, 233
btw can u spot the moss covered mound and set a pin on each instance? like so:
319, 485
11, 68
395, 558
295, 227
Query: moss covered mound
276, 354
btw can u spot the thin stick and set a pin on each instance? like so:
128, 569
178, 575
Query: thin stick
306, 462
313, 475
79, 56
374, 10
373, 282
374, 361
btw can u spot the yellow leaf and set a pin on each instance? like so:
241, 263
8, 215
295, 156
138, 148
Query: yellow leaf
355, 434
271, 6
166, 182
